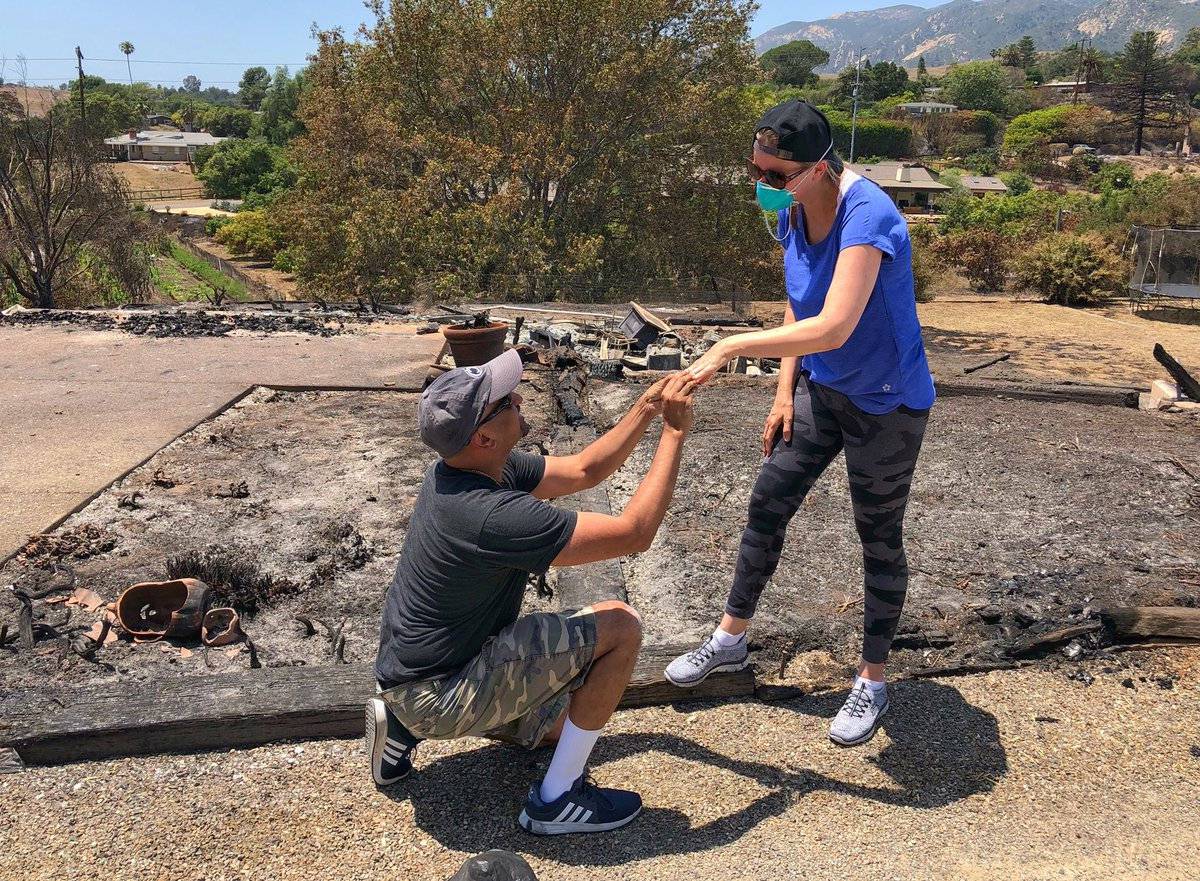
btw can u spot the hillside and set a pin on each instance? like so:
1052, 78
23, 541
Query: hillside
963, 30
39, 100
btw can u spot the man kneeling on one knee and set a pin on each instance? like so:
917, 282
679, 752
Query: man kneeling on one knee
454, 657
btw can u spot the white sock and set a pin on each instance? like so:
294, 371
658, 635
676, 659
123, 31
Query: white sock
725, 640
875, 687
570, 758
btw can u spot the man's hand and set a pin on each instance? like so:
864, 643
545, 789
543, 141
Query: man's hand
677, 402
651, 400
779, 419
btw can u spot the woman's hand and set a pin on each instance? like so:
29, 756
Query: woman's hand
651, 401
706, 366
779, 419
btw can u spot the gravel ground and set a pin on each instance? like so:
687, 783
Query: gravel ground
1015, 774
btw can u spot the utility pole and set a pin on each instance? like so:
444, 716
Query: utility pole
854, 113
82, 106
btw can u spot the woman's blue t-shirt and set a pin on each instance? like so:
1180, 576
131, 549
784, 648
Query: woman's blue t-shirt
882, 365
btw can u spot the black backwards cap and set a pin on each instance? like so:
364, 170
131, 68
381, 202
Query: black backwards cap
801, 132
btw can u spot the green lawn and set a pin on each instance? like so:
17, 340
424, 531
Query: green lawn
184, 277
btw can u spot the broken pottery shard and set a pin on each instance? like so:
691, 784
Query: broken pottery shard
221, 626
89, 600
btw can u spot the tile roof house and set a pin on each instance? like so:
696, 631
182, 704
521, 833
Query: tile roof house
911, 185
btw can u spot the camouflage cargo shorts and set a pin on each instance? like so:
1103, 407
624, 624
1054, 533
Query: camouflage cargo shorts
514, 690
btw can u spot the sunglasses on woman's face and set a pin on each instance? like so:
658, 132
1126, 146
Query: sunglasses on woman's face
770, 176
505, 404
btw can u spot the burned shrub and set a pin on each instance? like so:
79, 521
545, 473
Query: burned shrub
234, 580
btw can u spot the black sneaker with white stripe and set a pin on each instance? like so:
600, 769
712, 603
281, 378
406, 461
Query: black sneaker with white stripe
585, 807
389, 744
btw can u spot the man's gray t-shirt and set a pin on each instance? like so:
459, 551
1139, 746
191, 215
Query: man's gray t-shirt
470, 548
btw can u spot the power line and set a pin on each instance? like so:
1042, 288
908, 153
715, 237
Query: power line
147, 61
71, 77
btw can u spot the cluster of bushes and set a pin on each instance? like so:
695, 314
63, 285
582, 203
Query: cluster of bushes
1065, 247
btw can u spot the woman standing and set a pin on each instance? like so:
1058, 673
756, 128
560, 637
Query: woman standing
853, 378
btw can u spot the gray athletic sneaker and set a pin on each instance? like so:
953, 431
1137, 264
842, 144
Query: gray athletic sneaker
694, 667
859, 718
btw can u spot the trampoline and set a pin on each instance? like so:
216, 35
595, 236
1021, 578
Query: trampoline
1166, 268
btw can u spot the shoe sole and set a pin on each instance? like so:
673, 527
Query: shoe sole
376, 737
870, 733
541, 827
722, 668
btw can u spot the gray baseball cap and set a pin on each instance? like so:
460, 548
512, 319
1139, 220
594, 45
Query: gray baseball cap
453, 404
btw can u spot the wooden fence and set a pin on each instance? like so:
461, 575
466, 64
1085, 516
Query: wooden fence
157, 195
226, 268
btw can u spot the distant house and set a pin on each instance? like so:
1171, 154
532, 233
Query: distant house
912, 187
1066, 87
160, 119
927, 108
158, 146
981, 185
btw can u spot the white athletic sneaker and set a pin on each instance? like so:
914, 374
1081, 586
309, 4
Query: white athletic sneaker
859, 718
694, 667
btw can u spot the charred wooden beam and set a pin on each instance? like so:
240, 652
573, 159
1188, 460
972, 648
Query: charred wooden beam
50, 726
1186, 382
1165, 622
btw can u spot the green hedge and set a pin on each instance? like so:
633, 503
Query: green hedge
874, 137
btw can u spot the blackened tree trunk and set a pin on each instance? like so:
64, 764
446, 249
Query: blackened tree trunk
63, 210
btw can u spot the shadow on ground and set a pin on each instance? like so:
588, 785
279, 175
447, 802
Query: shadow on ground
942, 750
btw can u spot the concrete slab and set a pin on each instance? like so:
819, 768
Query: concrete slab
79, 407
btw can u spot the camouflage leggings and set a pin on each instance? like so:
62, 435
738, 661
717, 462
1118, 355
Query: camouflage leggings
881, 453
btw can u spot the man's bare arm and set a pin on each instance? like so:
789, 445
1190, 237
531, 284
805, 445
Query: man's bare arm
600, 536
583, 470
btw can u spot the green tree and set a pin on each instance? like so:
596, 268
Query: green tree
1062, 123
108, 113
280, 120
922, 71
237, 169
792, 64
188, 115
528, 146
253, 87
1143, 92
977, 85
227, 122
126, 48
877, 82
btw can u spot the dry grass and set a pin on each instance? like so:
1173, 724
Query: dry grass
38, 100
157, 175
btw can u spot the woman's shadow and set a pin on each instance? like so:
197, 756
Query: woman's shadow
942, 750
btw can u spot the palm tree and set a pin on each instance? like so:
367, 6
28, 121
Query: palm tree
127, 48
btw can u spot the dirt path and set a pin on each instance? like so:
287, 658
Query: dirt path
1016, 774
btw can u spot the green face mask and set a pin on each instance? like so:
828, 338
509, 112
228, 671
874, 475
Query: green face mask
773, 199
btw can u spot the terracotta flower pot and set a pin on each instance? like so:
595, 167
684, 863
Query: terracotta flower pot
154, 609
472, 346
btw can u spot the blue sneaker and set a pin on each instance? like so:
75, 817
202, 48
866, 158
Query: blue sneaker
585, 807
389, 744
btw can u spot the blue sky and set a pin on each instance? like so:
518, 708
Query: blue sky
225, 35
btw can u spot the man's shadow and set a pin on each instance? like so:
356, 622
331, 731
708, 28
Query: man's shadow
942, 750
